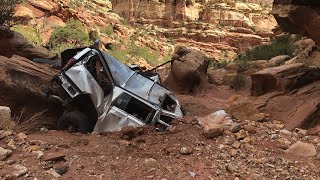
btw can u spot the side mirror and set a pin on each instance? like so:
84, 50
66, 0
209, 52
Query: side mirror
97, 44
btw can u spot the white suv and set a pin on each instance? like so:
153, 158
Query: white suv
102, 94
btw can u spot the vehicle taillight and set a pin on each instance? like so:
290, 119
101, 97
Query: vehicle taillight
69, 64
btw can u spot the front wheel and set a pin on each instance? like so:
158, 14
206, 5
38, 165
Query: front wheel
75, 121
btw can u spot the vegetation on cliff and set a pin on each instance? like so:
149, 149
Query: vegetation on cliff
71, 35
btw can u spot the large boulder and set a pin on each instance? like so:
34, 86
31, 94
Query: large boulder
243, 110
14, 43
302, 149
21, 86
283, 78
188, 71
23, 13
279, 60
299, 17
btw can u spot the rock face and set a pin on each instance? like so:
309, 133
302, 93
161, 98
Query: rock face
14, 43
188, 71
283, 78
22, 83
300, 17
45, 15
211, 26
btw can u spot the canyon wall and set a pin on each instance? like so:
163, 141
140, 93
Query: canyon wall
219, 28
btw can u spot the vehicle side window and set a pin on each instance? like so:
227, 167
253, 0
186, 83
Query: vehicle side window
134, 107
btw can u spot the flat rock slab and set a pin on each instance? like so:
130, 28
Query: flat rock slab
54, 156
283, 78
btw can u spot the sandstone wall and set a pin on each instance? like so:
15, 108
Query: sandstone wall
212, 26
301, 17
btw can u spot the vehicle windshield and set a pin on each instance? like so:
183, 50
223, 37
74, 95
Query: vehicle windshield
134, 82
120, 72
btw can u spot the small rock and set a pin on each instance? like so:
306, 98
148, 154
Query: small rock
8, 133
302, 132
302, 149
10, 162
4, 154
249, 147
11, 143
151, 163
235, 128
213, 130
284, 131
223, 156
250, 129
231, 168
44, 130
38, 153
274, 136
241, 135
124, 142
53, 156
193, 174
236, 145
246, 140
53, 173
284, 143
34, 148
21, 137
62, 169
19, 170
233, 152
259, 117
186, 151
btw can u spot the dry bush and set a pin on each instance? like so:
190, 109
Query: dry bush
33, 123
238, 82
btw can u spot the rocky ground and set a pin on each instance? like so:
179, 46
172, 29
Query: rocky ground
248, 149
225, 134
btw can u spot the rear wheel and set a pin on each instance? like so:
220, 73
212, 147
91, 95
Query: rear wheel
75, 121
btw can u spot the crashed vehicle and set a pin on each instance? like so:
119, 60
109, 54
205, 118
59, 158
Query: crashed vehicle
101, 94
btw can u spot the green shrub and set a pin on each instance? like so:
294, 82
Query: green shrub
128, 49
172, 40
219, 64
281, 46
71, 35
124, 22
108, 30
242, 66
151, 57
238, 82
120, 55
29, 33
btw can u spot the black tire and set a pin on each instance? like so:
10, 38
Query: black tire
75, 119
